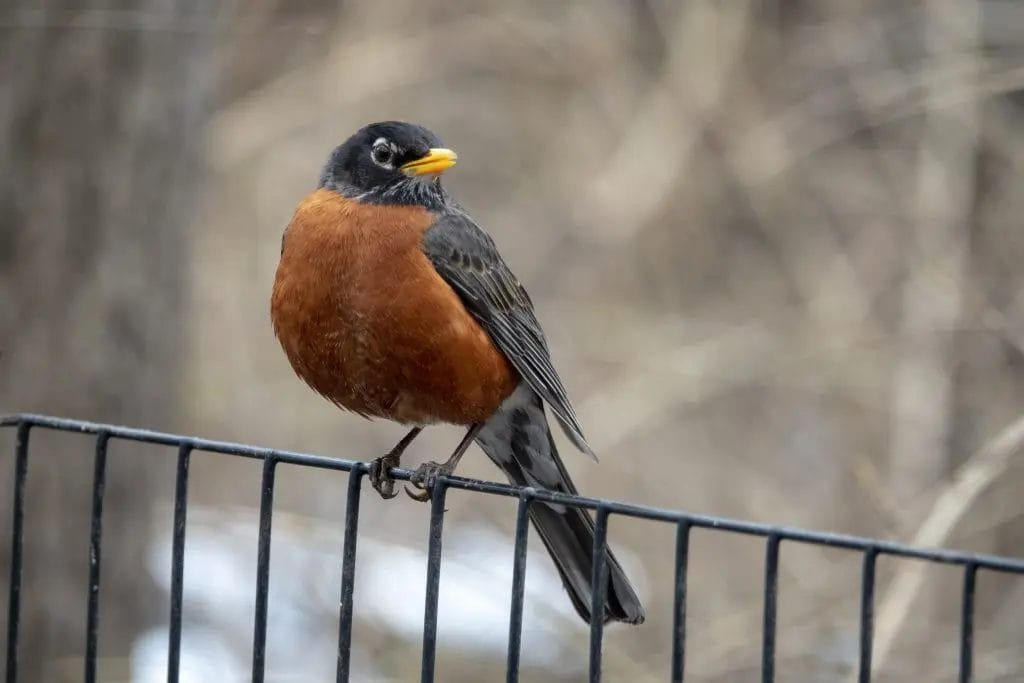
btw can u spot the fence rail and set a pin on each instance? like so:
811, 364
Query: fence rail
870, 549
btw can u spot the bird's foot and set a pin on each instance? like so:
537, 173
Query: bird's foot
380, 475
424, 478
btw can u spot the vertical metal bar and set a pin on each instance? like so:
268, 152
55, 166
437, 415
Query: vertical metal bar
437, 496
348, 572
867, 614
679, 603
178, 561
967, 624
17, 541
259, 638
99, 482
598, 591
515, 623
771, 592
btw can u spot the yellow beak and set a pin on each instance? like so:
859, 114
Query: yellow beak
437, 160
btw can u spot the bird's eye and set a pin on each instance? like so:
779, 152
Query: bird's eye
382, 155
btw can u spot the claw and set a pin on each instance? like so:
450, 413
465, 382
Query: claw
380, 469
424, 477
380, 476
422, 497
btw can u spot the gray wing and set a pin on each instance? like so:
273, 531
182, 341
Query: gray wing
466, 258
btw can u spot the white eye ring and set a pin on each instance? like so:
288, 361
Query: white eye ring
382, 153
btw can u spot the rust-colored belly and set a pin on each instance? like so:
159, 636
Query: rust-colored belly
366, 320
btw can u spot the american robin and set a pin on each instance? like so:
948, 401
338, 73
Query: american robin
391, 302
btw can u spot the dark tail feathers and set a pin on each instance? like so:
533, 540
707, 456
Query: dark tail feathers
569, 538
518, 440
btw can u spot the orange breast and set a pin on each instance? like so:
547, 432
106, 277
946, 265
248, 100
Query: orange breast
366, 320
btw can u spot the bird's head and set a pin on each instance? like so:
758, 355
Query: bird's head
390, 162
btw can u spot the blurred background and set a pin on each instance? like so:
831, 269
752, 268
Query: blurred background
776, 246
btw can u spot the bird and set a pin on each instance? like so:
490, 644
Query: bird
391, 302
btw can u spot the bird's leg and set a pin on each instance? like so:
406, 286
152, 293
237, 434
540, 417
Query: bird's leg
380, 475
424, 476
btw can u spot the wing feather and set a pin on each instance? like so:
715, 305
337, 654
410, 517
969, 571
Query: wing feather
467, 259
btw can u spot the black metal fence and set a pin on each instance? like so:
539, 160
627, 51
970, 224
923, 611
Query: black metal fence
870, 550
